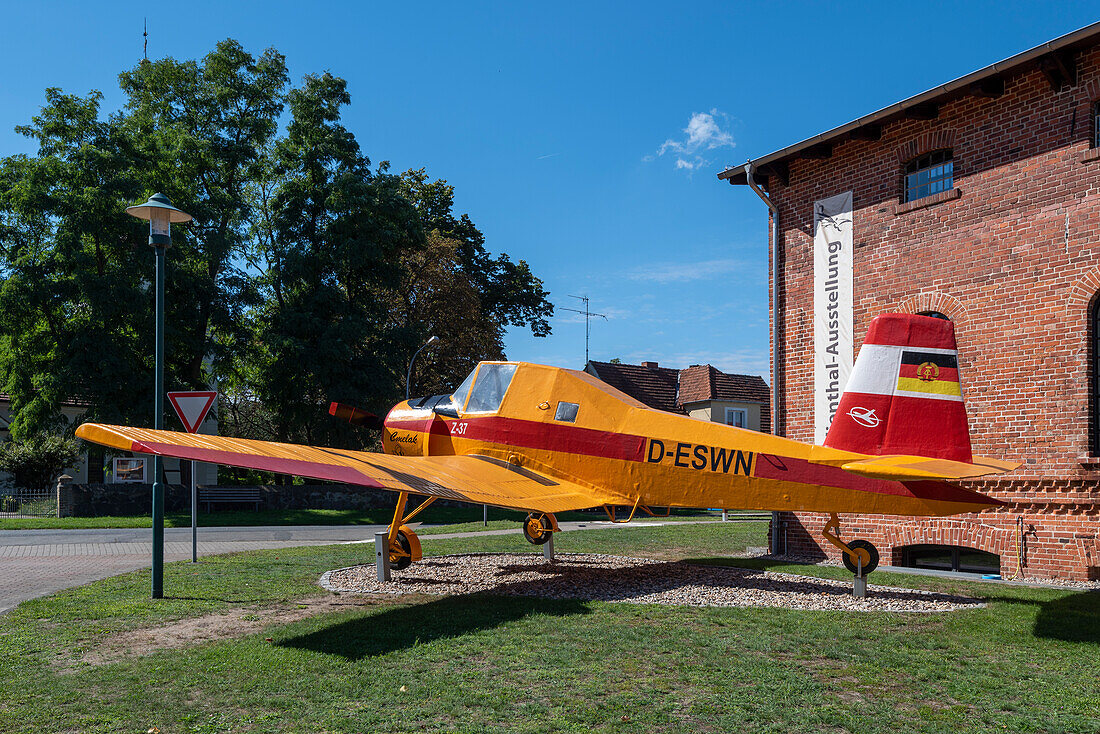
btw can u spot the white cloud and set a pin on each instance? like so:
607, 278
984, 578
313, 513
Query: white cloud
704, 132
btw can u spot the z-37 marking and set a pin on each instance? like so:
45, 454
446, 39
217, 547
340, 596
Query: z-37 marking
701, 457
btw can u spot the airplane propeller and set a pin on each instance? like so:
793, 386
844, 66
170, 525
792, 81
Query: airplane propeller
356, 416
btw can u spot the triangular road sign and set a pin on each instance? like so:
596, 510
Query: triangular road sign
192, 407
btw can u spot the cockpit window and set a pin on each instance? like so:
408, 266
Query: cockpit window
489, 388
459, 395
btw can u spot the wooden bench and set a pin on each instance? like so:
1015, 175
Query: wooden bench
230, 495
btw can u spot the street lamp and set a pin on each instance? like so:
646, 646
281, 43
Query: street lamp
160, 214
408, 377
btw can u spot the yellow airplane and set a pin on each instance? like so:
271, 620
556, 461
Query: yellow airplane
546, 440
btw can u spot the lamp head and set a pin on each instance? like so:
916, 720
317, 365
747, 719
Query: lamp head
160, 214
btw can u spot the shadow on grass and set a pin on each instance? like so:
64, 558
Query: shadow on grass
400, 628
1072, 617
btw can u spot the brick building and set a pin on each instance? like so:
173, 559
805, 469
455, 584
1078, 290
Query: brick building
978, 201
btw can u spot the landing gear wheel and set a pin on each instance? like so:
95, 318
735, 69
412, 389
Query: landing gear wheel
869, 553
537, 529
404, 549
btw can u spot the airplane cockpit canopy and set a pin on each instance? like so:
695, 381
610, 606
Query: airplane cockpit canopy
491, 383
483, 391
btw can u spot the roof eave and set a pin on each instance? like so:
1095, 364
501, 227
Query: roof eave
737, 175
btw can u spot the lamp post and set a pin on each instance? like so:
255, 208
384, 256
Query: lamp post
160, 214
408, 377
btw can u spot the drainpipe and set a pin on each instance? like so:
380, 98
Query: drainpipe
774, 239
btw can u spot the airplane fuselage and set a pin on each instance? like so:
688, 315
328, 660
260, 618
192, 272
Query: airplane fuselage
570, 426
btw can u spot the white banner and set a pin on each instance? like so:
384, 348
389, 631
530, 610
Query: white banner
832, 307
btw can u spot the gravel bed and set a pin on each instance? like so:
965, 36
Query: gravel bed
1039, 582
633, 581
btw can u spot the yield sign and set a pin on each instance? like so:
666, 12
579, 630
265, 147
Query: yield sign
192, 407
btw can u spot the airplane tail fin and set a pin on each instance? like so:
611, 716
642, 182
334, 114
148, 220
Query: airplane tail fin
904, 395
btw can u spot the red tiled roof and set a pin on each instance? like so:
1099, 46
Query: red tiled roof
654, 386
696, 384
668, 389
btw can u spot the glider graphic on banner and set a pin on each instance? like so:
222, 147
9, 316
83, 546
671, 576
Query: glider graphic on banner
192, 407
832, 307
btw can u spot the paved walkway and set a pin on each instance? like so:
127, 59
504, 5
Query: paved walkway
34, 563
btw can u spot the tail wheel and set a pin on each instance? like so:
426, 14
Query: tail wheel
404, 549
537, 528
867, 552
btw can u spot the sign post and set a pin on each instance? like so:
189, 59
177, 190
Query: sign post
192, 408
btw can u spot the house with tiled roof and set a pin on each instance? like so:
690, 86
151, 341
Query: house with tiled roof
700, 391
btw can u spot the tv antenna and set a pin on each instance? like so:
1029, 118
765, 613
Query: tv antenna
145, 45
588, 314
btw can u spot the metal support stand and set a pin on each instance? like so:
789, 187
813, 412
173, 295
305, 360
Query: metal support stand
725, 515
485, 515
548, 549
194, 514
382, 555
859, 584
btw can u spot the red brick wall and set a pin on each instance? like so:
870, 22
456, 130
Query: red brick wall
1012, 255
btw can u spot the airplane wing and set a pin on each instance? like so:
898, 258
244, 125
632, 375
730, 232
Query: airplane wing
911, 468
476, 479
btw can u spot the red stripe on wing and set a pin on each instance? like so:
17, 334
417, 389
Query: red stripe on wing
297, 467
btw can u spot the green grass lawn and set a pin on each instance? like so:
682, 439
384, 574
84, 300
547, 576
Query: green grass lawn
1027, 662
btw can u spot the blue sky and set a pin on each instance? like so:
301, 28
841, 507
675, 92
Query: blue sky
583, 138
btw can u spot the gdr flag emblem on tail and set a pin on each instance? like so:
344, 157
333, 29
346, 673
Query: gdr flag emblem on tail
905, 394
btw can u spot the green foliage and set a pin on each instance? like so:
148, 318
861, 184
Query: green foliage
305, 277
36, 461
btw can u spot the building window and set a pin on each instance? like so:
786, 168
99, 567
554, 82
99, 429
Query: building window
737, 417
929, 174
1096, 124
933, 314
1094, 383
130, 470
950, 558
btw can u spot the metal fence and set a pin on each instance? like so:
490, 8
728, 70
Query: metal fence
28, 502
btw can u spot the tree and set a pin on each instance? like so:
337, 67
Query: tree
202, 134
306, 277
335, 229
37, 460
73, 306
452, 287
76, 309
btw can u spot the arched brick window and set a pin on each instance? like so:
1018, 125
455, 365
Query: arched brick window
933, 314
